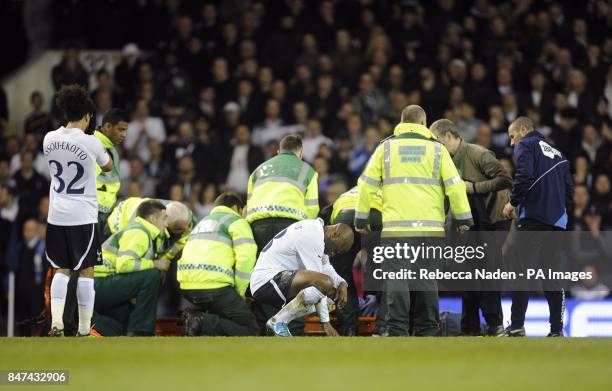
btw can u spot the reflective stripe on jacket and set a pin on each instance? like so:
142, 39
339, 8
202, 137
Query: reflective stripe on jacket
348, 201
129, 250
107, 183
219, 252
415, 172
169, 245
283, 186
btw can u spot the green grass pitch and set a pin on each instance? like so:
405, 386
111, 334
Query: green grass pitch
310, 363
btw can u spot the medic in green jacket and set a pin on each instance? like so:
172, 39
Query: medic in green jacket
111, 133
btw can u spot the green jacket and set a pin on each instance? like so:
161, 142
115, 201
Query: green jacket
415, 173
131, 249
170, 245
107, 183
220, 252
283, 186
478, 165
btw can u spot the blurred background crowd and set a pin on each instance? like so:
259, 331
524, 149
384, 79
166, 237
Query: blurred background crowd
213, 85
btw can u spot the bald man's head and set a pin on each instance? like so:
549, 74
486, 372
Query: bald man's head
414, 114
338, 239
178, 217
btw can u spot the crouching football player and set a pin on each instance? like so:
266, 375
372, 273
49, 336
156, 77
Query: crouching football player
293, 273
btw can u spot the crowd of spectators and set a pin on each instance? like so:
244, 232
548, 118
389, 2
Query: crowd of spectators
212, 87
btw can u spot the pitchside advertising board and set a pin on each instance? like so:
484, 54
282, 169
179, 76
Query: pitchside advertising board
581, 318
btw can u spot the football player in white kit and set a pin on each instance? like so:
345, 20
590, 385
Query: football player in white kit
293, 272
73, 241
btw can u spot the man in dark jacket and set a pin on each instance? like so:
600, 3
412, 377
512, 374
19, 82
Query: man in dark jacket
542, 193
487, 185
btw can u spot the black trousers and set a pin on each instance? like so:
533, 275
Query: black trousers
348, 317
472, 302
488, 301
224, 312
531, 250
263, 231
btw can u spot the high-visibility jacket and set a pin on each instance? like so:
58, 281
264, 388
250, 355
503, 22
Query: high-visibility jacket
130, 249
169, 245
283, 186
348, 201
107, 183
220, 252
415, 172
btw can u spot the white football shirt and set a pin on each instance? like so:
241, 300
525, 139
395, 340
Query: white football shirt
71, 156
300, 246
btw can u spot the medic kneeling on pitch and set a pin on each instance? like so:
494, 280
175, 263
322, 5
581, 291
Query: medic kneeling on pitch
293, 272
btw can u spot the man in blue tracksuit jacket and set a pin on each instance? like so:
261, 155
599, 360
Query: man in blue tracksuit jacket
541, 194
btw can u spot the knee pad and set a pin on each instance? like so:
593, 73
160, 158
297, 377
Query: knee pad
312, 295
